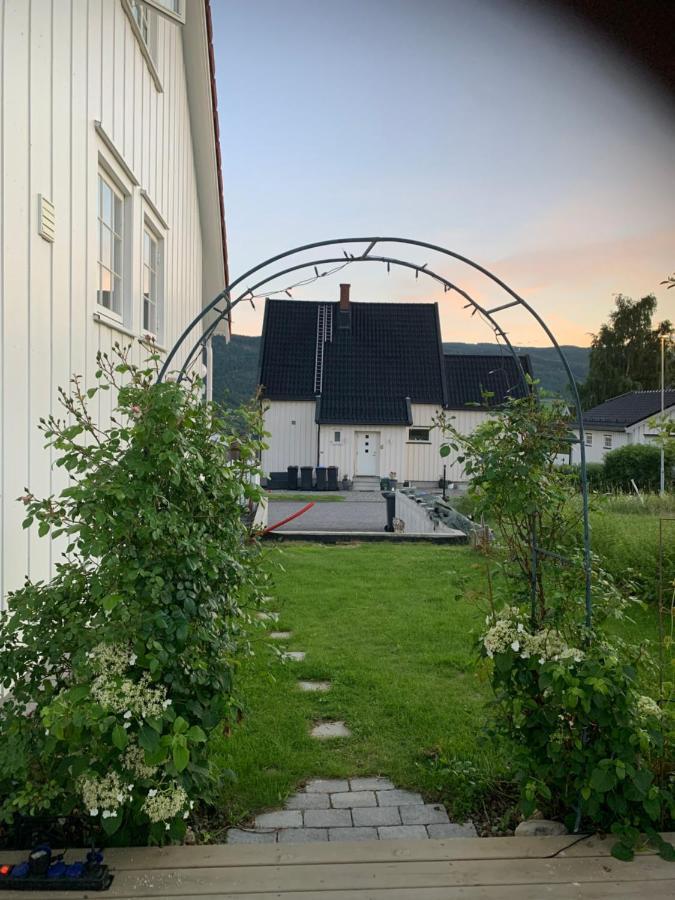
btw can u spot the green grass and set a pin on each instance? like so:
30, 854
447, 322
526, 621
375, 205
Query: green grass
305, 498
393, 629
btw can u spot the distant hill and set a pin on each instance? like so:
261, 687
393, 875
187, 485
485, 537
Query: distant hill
236, 366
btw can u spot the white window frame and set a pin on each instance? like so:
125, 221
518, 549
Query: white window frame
415, 440
588, 437
151, 227
607, 442
337, 437
177, 14
115, 172
118, 196
145, 16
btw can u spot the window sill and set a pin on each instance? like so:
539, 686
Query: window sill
420, 443
126, 6
116, 325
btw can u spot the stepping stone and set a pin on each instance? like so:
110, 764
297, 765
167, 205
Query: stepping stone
402, 832
308, 801
352, 834
353, 798
295, 655
326, 786
452, 830
236, 836
267, 617
280, 635
376, 816
321, 686
281, 818
328, 818
398, 798
302, 835
424, 814
371, 784
327, 730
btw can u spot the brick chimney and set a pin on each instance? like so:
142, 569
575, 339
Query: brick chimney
344, 297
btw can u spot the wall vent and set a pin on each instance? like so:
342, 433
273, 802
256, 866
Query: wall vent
46, 219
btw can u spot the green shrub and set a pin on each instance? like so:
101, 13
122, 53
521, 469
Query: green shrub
121, 668
639, 463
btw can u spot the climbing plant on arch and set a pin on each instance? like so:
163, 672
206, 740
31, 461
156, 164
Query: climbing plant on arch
332, 252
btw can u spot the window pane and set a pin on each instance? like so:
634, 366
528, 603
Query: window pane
106, 202
105, 283
118, 215
117, 267
117, 296
105, 247
146, 281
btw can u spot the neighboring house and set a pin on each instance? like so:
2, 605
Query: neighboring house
112, 213
359, 385
620, 421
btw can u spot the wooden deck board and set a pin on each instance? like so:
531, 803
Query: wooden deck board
470, 868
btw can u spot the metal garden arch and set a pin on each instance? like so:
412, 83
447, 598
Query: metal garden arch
229, 300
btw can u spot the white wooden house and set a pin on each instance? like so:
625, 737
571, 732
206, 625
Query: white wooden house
621, 421
111, 212
359, 386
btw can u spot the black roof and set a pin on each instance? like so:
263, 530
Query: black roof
379, 358
627, 409
469, 376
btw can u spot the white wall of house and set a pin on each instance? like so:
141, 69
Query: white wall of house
294, 435
639, 433
66, 66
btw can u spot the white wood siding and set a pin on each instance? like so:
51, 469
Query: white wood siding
65, 65
296, 444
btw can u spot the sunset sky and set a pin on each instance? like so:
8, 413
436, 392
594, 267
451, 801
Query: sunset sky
492, 127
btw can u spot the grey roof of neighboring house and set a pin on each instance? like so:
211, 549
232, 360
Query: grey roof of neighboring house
627, 409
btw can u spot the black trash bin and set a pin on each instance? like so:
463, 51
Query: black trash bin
292, 478
306, 478
321, 478
390, 497
332, 478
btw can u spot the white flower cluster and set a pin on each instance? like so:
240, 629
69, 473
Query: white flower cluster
111, 659
648, 708
105, 794
134, 762
162, 806
508, 632
141, 699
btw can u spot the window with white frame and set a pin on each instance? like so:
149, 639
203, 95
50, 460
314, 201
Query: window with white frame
419, 435
336, 437
589, 438
153, 312
111, 240
146, 19
174, 8
607, 443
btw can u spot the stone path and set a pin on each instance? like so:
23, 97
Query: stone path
354, 809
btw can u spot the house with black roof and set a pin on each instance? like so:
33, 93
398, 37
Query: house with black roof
622, 420
359, 386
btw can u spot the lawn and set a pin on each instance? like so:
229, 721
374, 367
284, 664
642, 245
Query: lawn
392, 627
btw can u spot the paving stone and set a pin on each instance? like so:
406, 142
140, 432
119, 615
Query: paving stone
452, 830
352, 834
236, 836
353, 798
321, 686
326, 730
280, 635
426, 814
295, 655
371, 784
302, 835
326, 785
398, 798
267, 617
281, 818
401, 832
308, 801
328, 818
377, 815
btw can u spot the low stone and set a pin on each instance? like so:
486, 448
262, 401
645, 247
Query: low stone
540, 828
452, 830
281, 818
236, 836
352, 834
377, 816
320, 686
353, 798
280, 635
308, 801
371, 784
267, 616
328, 818
295, 655
326, 785
402, 832
398, 798
327, 730
302, 835
424, 814
190, 838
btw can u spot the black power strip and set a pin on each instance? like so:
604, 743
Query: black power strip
43, 872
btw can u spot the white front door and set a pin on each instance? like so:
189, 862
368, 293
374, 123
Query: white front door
367, 452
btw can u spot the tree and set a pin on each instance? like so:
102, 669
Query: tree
625, 354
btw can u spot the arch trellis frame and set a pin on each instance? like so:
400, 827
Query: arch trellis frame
489, 315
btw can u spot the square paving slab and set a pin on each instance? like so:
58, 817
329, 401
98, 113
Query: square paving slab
326, 730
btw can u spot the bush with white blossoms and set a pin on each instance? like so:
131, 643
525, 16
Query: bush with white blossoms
120, 669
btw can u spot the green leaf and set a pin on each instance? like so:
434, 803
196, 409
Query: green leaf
603, 780
112, 824
119, 737
667, 851
196, 734
181, 756
110, 602
148, 739
622, 851
180, 726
